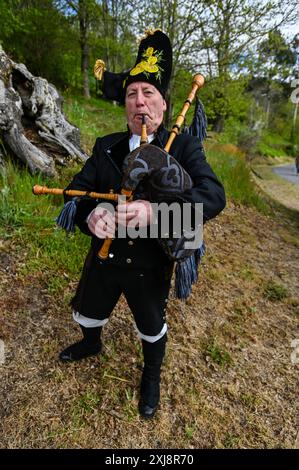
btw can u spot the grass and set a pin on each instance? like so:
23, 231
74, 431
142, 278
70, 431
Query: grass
217, 354
234, 173
94, 118
242, 396
84, 406
274, 291
29, 221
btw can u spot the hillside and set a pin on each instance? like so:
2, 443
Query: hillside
228, 380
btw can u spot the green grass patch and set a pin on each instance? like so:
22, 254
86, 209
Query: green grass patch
231, 441
94, 118
83, 407
189, 431
274, 291
29, 221
234, 173
217, 354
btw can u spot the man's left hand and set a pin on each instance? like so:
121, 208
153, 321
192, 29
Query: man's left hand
136, 213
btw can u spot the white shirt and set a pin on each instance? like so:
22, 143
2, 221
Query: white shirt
134, 141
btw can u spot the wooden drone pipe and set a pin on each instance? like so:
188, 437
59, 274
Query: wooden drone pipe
198, 82
37, 190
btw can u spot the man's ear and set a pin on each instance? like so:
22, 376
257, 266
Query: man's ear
164, 105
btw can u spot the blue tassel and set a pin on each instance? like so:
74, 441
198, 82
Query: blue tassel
198, 126
66, 218
199, 253
186, 273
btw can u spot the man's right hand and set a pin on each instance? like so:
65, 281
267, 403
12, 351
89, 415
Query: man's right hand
101, 222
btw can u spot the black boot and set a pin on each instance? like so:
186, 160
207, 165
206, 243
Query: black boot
150, 382
88, 346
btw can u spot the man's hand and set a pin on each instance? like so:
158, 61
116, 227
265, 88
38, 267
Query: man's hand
101, 222
137, 213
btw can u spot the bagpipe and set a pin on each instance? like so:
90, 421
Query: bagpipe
154, 175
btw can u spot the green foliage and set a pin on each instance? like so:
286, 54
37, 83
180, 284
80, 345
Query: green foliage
225, 98
273, 145
46, 35
276, 56
189, 430
43, 38
231, 441
9, 22
83, 407
116, 52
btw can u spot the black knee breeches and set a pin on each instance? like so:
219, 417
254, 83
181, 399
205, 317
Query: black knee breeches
146, 291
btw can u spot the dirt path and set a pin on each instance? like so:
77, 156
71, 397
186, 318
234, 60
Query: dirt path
228, 379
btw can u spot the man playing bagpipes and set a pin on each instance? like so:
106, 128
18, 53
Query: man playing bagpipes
139, 268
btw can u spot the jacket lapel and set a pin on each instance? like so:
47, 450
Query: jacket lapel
116, 152
161, 137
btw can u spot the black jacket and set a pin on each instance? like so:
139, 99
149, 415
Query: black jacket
102, 172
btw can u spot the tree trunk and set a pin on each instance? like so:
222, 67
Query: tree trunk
84, 22
294, 121
84, 69
32, 125
268, 111
218, 125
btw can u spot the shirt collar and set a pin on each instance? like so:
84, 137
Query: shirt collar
134, 141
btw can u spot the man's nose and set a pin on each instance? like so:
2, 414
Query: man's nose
140, 99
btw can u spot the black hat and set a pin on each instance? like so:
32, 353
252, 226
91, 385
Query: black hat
153, 65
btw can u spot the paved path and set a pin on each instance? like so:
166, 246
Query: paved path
287, 172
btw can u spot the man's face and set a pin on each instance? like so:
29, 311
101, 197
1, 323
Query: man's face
143, 98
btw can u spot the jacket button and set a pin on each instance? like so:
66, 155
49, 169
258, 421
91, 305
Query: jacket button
129, 260
111, 255
130, 243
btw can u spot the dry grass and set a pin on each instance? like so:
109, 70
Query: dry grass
228, 381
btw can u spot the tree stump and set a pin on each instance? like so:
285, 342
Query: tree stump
32, 124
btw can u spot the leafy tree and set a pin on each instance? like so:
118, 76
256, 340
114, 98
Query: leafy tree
103, 32
83, 12
274, 65
42, 38
232, 27
8, 20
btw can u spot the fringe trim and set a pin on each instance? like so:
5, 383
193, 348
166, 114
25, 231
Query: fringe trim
199, 124
186, 273
66, 218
